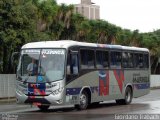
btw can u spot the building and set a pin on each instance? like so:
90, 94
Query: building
88, 9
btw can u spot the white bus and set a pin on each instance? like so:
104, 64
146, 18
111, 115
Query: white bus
78, 73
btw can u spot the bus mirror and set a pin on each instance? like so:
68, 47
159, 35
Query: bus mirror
14, 57
68, 70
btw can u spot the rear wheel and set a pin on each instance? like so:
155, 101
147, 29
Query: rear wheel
83, 101
43, 107
128, 97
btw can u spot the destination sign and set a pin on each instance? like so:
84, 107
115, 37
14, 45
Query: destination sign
31, 51
55, 51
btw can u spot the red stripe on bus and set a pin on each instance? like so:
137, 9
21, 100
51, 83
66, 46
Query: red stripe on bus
120, 78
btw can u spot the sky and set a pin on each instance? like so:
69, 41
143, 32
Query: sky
143, 15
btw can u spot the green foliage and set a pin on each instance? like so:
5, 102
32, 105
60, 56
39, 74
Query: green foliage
23, 21
16, 26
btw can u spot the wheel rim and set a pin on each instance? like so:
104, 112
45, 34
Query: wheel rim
128, 96
83, 100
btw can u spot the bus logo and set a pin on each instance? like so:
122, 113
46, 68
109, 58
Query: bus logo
103, 83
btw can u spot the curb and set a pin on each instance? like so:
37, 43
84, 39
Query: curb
7, 100
154, 88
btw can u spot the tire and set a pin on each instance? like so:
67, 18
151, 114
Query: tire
43, 107
128, 97
83, 101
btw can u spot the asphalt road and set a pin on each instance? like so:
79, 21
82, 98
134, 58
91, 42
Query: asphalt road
140, 107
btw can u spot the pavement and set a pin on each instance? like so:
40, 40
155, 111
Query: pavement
109, 110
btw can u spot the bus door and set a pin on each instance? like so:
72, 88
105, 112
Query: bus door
72, 65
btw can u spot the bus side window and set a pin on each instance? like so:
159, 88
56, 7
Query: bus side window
116, 60
101, 59
84, 57
87, 59
74, 64
91, 59
141, 61
130, 60
138, 60
146, 61
127, 60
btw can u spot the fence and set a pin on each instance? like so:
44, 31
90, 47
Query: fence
7, 84
155, 80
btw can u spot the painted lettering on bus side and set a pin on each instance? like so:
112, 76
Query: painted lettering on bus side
140, 82
103, 83
137, 78
119, 75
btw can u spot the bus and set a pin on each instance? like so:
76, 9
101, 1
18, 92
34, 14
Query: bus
75, 73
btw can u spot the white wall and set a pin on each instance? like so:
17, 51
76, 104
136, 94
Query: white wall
7, 85
155, 80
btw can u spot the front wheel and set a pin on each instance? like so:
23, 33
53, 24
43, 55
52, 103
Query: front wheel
128, 97
83, 101
43, 107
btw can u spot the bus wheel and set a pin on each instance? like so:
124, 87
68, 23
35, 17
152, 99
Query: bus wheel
83, 101
128, 97
43, 107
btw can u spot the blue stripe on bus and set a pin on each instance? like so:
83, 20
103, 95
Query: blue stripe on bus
76, 91
73, 91
142, 86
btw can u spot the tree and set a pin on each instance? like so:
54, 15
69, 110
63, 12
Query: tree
17, 23
152, 42
113, 32
83, 30
61, 27
66, 16
47, 9
23, 21
101, 29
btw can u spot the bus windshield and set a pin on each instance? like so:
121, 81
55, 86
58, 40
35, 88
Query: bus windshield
46, 63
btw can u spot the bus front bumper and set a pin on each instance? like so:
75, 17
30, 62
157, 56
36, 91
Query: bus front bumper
50, 99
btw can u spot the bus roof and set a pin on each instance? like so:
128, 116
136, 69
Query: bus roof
69, 43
